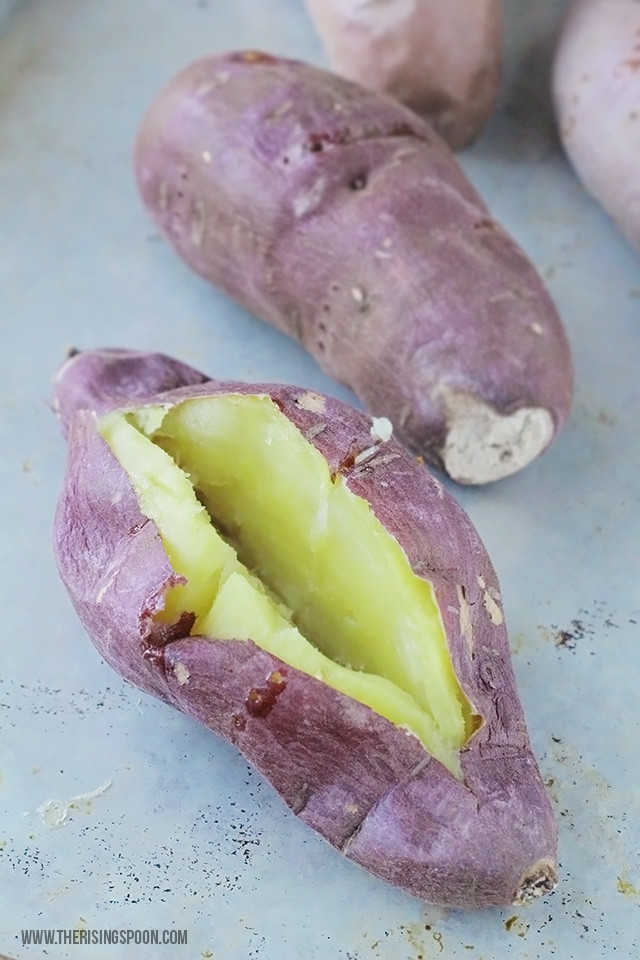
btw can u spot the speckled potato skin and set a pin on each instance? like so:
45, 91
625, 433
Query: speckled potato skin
365, 785
440, 59
342, 219
596, 88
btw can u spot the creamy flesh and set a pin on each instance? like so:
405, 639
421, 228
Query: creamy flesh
276, 550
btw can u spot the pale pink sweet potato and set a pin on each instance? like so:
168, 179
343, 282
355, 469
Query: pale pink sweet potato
596, 88
342, 219
471, 830
440, 59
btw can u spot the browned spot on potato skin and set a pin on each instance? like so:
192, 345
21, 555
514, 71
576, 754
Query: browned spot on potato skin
158, 635
253, 56
261, 700
347, 463
317, 141
358, 182
484, 223
154, 656
300, 800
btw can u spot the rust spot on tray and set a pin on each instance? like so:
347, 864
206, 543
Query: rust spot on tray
568, 638
261, 700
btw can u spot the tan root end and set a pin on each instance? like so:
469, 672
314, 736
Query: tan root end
537, 882
483, 445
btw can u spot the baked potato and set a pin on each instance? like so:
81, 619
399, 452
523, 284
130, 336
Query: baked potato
274, 563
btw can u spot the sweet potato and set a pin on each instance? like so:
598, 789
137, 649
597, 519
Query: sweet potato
342, 219
596, 86
440, 59
274, 564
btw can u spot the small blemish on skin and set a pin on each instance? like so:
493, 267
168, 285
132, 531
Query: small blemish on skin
314, 431
361, 297
380, 461
437, 486
464, 614
181, 673
163, 195
365, 455
492, 608
206, 156
386, 245
536, 328
358, 182
208, 86
198, 223
314, 402
308, 200
101, 592
260, 701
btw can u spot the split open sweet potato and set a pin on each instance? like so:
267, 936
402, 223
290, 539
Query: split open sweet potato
274, 563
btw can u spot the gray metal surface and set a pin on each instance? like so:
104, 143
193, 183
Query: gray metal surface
169, 828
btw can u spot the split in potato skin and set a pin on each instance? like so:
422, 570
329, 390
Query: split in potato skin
303, 567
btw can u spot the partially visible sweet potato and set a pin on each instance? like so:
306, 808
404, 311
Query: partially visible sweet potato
346, 633
441, 59
596, 85
342, 219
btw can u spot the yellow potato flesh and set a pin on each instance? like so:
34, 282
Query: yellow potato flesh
303, 566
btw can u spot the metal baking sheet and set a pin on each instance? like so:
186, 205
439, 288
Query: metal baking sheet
157, 824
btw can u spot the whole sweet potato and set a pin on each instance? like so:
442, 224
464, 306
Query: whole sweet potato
274, 564
440, 59
596, 86
342, 219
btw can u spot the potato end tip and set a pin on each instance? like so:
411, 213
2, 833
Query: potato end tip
537, 882
483, 445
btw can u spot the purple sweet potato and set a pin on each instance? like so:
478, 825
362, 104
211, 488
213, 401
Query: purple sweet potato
468, 824
441, 59
342, 218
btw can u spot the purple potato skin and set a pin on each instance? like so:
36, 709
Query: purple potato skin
442, 60
342, 219
365, 785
